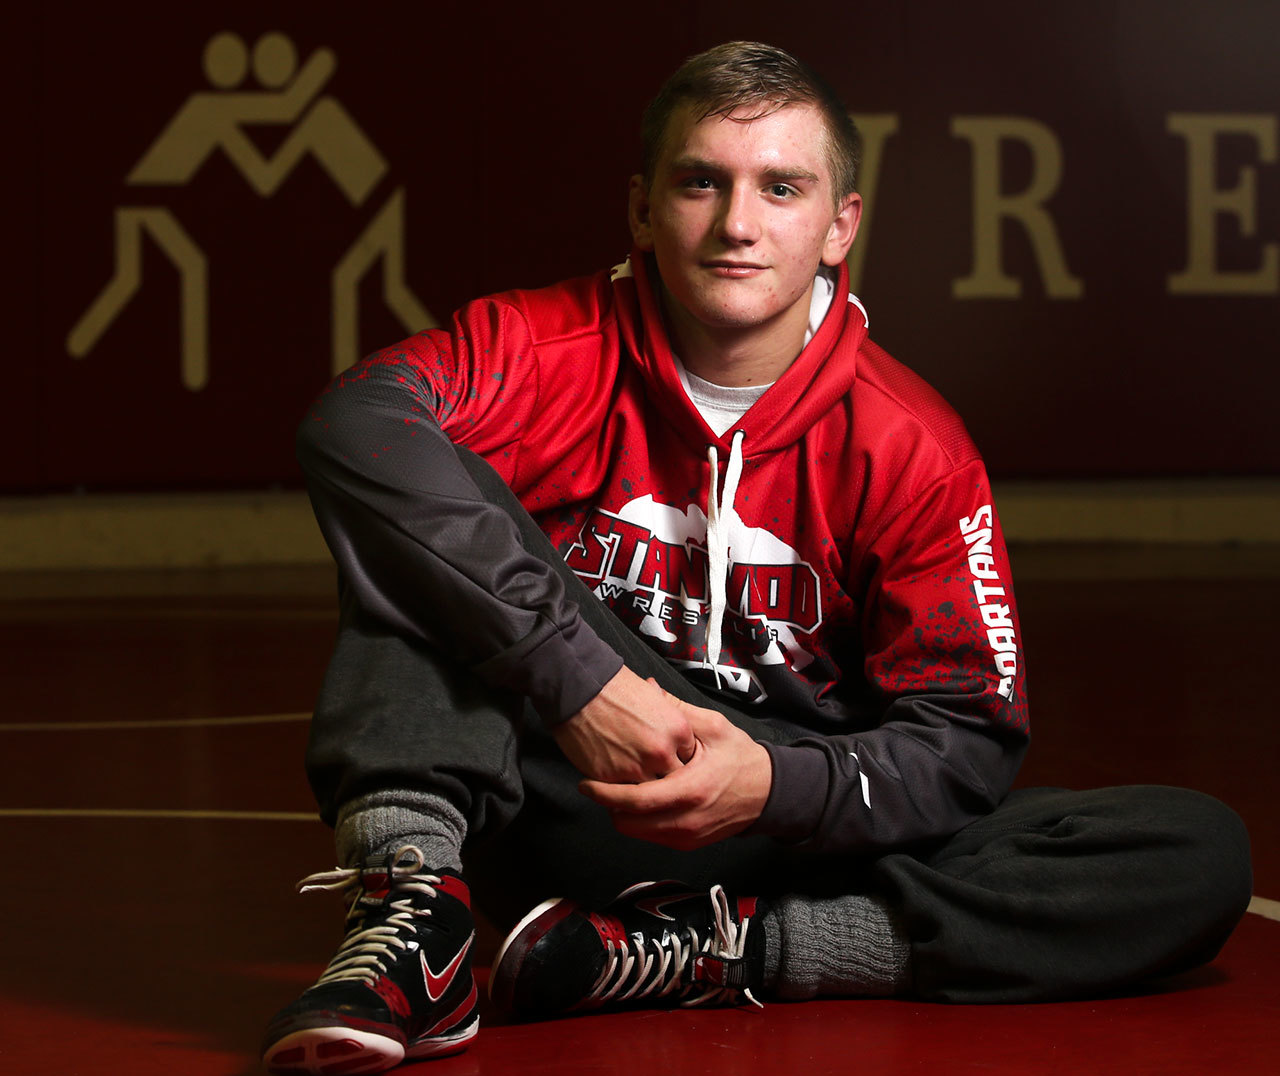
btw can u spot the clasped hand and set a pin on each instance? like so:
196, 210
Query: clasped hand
668, 771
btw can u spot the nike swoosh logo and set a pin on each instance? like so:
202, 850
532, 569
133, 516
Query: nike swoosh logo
438, 982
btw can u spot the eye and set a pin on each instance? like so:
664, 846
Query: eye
782, 190
699, 183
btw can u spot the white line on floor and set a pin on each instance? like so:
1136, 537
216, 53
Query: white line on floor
128, 812
1268, 909
161, 723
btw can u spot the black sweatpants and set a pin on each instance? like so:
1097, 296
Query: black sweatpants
1054, 894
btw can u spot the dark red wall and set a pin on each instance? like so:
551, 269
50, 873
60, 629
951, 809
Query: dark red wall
512, 138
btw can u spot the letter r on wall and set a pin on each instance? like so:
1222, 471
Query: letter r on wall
988, 280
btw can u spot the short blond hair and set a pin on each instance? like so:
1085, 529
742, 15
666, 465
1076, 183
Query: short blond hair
748, 74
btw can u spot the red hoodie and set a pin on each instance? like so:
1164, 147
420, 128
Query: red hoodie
863, 586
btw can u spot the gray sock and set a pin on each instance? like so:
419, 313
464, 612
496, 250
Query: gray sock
850, 946
382, 822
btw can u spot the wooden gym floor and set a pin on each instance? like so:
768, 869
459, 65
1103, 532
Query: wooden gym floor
155, 818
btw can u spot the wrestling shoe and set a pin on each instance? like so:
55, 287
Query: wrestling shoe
400, 985
658, 945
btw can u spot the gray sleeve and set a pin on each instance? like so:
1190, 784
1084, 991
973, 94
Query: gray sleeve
429, 554
928, 770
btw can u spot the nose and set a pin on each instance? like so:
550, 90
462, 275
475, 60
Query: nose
739, 221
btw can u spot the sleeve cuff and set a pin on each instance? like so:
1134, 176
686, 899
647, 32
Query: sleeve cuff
796, 800
560, 672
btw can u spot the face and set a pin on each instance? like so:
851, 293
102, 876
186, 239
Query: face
739, 215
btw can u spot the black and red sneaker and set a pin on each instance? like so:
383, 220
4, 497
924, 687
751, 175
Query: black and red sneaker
400, 985
658, 945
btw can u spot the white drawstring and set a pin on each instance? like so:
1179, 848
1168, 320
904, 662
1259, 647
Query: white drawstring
719, 513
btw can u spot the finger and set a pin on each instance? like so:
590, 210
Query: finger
686, 739
629, 798
689, 752
704, 724
667, 793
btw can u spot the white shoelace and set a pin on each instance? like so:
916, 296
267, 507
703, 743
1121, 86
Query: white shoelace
363, 953
720, 512
662, 971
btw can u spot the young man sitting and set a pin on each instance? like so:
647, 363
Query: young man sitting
670, 572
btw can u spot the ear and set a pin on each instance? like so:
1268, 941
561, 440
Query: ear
842, 231
638, 213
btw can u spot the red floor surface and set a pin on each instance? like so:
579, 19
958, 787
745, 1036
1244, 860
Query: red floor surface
161, 944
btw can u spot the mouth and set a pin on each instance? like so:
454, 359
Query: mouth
724, 267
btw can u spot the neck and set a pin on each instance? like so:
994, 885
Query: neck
733, 356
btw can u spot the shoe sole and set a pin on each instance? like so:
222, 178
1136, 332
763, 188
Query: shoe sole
318, 1051
327, 1051
515, 947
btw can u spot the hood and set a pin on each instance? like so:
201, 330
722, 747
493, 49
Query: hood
822, 373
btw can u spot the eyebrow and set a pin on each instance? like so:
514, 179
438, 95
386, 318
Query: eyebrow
697, 164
